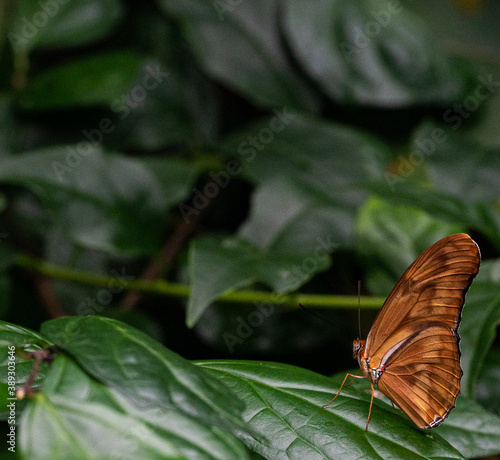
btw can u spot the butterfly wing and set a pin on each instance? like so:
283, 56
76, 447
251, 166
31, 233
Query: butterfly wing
433, 287
415, 339
423, 377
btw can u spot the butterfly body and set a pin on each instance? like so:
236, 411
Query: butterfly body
412, 350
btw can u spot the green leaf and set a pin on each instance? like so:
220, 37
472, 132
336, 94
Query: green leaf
480, 317
143, 371
217, 267
103, 201
77, 417
9, 129
284, 409
487, 390
89, 81
7, 258
328, 156
289, 216
465, 194
391, 237
241, 47
372, 53
24, 341
309, 173
62, 24
472, 430
174, 109
473, 178
10, 334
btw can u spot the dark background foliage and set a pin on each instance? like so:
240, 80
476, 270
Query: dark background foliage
197, 168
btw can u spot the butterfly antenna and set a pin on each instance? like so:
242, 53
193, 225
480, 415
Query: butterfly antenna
315, 314
359, 307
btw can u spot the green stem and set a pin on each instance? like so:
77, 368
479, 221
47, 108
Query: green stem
182, 290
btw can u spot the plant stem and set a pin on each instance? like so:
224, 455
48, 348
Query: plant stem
181, 290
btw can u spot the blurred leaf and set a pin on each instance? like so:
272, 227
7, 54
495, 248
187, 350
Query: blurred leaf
94, 80
487, 390
176, 108
328, 156
480, 317
8, 126
289, 216
240, 45
5, 294
217, 267
142, 370
79, 298
372, 53
7, 254
391, 237
62, 24
448, 176
103, 201
78, 417
470, 28
485, 131
473, 177
310, 172
284, 409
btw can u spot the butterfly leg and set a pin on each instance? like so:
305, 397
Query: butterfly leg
370, 410
341, 386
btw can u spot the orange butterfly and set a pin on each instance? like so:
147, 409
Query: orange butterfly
412, 351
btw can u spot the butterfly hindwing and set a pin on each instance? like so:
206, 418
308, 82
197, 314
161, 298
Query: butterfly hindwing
423, 377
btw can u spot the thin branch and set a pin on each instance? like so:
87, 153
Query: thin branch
166, 288
162, 262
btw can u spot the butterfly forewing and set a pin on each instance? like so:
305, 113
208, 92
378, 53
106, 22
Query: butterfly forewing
434, 284
414, 340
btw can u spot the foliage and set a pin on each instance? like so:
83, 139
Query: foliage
176, 176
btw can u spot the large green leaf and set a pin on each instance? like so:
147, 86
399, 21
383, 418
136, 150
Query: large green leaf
142, 370
309, 173
372, 52
328, 156
95, 80
77, 417
219, 266
102, 200
62, 24
175, 109
284, 409
287, 215
240, 45
471, 429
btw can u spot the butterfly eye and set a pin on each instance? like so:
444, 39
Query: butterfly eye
356, 346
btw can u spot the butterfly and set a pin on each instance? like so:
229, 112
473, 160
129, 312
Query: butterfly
412, 350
